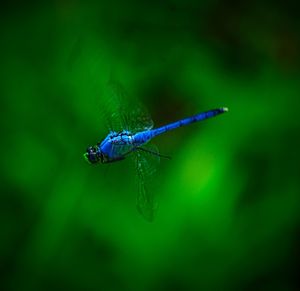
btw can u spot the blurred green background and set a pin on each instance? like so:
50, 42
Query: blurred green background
229, 198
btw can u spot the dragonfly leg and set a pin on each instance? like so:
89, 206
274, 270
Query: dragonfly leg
153, 153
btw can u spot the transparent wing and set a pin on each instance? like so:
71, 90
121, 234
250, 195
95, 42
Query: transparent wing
140, 119
118, 111
122, 112
146, 165
113, 107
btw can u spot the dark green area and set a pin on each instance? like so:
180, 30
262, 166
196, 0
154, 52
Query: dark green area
229, 198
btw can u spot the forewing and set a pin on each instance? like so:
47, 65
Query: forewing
123, 112
146, 165
140, 118
114, 108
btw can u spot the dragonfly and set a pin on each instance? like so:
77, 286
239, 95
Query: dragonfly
130, 133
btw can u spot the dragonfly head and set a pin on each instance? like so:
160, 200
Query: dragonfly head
93, 155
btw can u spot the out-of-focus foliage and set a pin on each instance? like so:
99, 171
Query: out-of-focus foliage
229, 198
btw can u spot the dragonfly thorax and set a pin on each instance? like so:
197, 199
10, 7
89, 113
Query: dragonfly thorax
116, 145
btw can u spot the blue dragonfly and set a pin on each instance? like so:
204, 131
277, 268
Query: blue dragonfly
131, 130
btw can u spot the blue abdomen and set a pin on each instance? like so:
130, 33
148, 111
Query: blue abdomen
186, 121
142, 137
